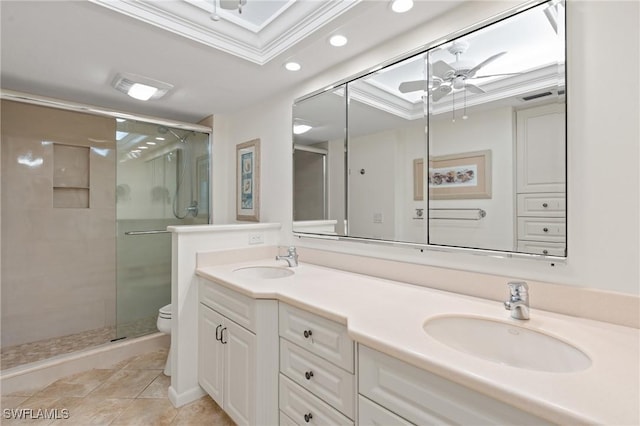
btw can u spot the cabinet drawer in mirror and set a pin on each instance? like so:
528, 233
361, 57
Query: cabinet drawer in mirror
325, 338
542, 229
231, 304
542, 247
304, 408
324, 379
545, 205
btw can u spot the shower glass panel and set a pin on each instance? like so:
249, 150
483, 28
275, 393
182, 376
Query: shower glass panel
162, 180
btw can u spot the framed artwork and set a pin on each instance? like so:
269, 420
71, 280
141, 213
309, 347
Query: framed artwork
460, 176
248, 181
418, 179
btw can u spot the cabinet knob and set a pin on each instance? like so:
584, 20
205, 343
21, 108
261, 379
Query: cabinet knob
545, 251
308, 417
545, 205
307, 334
308, 375
545, 229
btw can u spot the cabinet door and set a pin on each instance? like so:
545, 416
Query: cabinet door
540, 149
239, 389
210, 353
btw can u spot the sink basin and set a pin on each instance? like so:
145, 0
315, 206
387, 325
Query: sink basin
507, 344
263, 272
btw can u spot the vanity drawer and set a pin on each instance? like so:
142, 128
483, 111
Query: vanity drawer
542, 247
325, 338
231, 304
542, 229
370, 413
542, 204
427, 399
297, 403
325, 380
286, 420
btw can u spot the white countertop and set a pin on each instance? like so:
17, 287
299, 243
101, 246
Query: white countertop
389, 316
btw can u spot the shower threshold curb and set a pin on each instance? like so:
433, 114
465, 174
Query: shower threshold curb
41, 373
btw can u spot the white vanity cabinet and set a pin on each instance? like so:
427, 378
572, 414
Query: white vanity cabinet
238, 353
317, 364
540, 171
393, 392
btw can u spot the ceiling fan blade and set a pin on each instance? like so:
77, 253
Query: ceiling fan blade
473, 88
490, 59
440, 93
412, 86
496, 75
441, 68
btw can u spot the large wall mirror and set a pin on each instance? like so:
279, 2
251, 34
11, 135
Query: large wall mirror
461, 145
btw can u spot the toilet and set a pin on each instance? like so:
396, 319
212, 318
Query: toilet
164, 325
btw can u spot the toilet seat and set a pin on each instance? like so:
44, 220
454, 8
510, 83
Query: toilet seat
165, 311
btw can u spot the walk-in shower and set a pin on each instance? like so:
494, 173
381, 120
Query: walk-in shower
86, 200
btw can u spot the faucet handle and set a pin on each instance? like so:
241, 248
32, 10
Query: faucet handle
518, 289
291, 250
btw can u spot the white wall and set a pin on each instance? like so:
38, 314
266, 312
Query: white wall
603, 134
483, 130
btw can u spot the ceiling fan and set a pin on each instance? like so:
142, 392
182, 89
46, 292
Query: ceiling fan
447, 77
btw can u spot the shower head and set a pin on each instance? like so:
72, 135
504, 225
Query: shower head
163, 130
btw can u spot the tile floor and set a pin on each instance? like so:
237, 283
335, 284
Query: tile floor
134, 392
26, 353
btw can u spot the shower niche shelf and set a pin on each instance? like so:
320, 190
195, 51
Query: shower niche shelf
70, 176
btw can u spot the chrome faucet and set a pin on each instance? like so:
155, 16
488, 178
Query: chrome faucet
518, 302
291, 257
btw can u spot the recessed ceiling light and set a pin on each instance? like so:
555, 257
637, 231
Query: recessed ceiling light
338, 40
401, 6
292, 66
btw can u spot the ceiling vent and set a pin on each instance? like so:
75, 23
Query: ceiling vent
536, 96
139, 87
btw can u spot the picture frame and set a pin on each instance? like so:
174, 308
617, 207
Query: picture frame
248, 181
460, 176
418, 179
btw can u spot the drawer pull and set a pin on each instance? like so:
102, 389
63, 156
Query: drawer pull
545, 205
545, 229
218, 335
545, 251
307, 334
224, 342
308, 417
308, 375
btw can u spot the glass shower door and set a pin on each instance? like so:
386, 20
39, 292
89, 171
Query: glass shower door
162, 180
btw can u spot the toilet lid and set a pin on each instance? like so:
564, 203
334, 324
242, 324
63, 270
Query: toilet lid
165, 310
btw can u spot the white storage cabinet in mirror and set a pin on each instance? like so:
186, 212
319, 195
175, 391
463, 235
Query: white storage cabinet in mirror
459, 146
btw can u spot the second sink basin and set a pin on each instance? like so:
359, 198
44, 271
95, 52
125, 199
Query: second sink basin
507, 344
263, 272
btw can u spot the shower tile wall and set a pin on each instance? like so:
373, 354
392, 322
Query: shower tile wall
58, 264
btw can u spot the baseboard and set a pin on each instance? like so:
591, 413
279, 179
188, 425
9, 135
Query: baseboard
193, 394
40, 374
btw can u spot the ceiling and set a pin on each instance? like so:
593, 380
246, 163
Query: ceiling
71, 50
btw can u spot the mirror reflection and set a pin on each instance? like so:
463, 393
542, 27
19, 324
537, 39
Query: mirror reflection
459, 146
497, 136
319, 138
